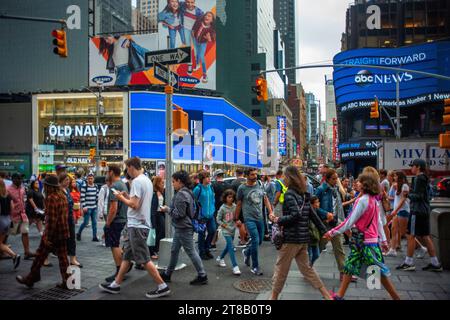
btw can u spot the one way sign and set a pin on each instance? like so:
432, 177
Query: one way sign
172, 56
162, 73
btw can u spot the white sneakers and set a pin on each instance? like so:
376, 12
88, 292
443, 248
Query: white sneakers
421, 252
221, 262
391, 253
236, 271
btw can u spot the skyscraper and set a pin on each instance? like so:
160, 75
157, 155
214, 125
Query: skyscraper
312, 108
112, 16
284, 14
149, 9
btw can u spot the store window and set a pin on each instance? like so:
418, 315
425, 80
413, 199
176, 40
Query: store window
68, 130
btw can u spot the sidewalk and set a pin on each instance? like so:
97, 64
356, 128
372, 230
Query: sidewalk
96, 260
411, 285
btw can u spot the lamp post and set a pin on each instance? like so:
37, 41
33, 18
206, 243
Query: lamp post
100, 111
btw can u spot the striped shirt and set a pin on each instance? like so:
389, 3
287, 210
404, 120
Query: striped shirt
89, 196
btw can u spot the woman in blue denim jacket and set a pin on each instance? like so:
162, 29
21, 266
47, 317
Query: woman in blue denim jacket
119, 49
172, 18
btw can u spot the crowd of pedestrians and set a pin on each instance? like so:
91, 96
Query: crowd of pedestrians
371, 215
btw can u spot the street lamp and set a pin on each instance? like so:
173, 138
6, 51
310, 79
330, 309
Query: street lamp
100, 111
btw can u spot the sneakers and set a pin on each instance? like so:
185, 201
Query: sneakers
236, 271
431, 267
209, 255
246, 258
213, 247
16, 261
205, 79
78, 237
164, 276
111, 278
95, 239
200, 280
158, 293
391, 253
421, 252
107, 288
257, 271
221, 262
406, 267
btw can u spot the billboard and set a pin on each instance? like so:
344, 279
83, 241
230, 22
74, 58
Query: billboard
214, 126
356, 88
281, 126
119, 60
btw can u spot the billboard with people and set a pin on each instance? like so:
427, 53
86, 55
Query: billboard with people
119, 60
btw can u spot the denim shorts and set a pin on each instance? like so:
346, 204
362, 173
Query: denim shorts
403, 214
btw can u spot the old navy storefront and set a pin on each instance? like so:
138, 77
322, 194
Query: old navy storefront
133, 124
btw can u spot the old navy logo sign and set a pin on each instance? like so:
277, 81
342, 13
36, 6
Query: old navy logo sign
189, 80
366, 78
102, 79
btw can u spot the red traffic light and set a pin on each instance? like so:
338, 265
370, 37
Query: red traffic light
60, 42
261, 90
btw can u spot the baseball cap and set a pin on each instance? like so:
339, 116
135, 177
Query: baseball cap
419, 163
218, 172
90, 174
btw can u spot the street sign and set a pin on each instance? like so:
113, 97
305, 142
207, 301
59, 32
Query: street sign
163, 73
171, 56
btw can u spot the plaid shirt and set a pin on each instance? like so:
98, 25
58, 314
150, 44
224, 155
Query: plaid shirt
56, 217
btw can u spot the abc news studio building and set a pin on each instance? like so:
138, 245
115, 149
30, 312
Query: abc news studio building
364, 141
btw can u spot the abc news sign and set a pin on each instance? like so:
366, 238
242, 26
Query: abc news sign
366, 78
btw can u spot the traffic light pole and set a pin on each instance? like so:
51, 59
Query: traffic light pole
97, 151
11, 17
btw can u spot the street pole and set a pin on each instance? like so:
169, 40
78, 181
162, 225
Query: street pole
398, 131
97, 152
319, 142
169, 169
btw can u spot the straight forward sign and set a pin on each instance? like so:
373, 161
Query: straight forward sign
163, 73
171, 56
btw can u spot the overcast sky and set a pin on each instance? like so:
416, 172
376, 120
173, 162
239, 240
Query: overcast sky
321, 24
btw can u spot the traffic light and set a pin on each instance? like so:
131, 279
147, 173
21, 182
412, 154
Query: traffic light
60, 42
91, 153
375, 110
444, 139
262, 93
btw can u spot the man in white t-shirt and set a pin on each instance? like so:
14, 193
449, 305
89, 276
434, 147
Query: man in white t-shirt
138, 227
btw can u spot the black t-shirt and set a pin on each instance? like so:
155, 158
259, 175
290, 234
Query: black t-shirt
5, 206
219, 188
38, 199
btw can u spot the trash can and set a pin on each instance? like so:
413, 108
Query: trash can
440, 234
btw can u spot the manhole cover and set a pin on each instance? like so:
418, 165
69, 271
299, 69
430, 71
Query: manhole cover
55, 294
254, 285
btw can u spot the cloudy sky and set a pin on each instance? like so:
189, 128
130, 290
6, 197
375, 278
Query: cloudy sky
321, 24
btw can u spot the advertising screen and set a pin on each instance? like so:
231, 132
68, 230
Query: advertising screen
119, 60
356, 88
281, 126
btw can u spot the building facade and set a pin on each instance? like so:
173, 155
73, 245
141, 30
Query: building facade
113, 16
404, 34
395, 23
297, 105
331, 118
248, 25
285, 17
149, 9
280, 118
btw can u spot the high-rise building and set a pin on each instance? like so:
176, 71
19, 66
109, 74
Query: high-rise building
331, 115
297, 104
141, 24
285, 17
245, 47
384, 33
401, 23
113, 16
312, 113
149, 9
